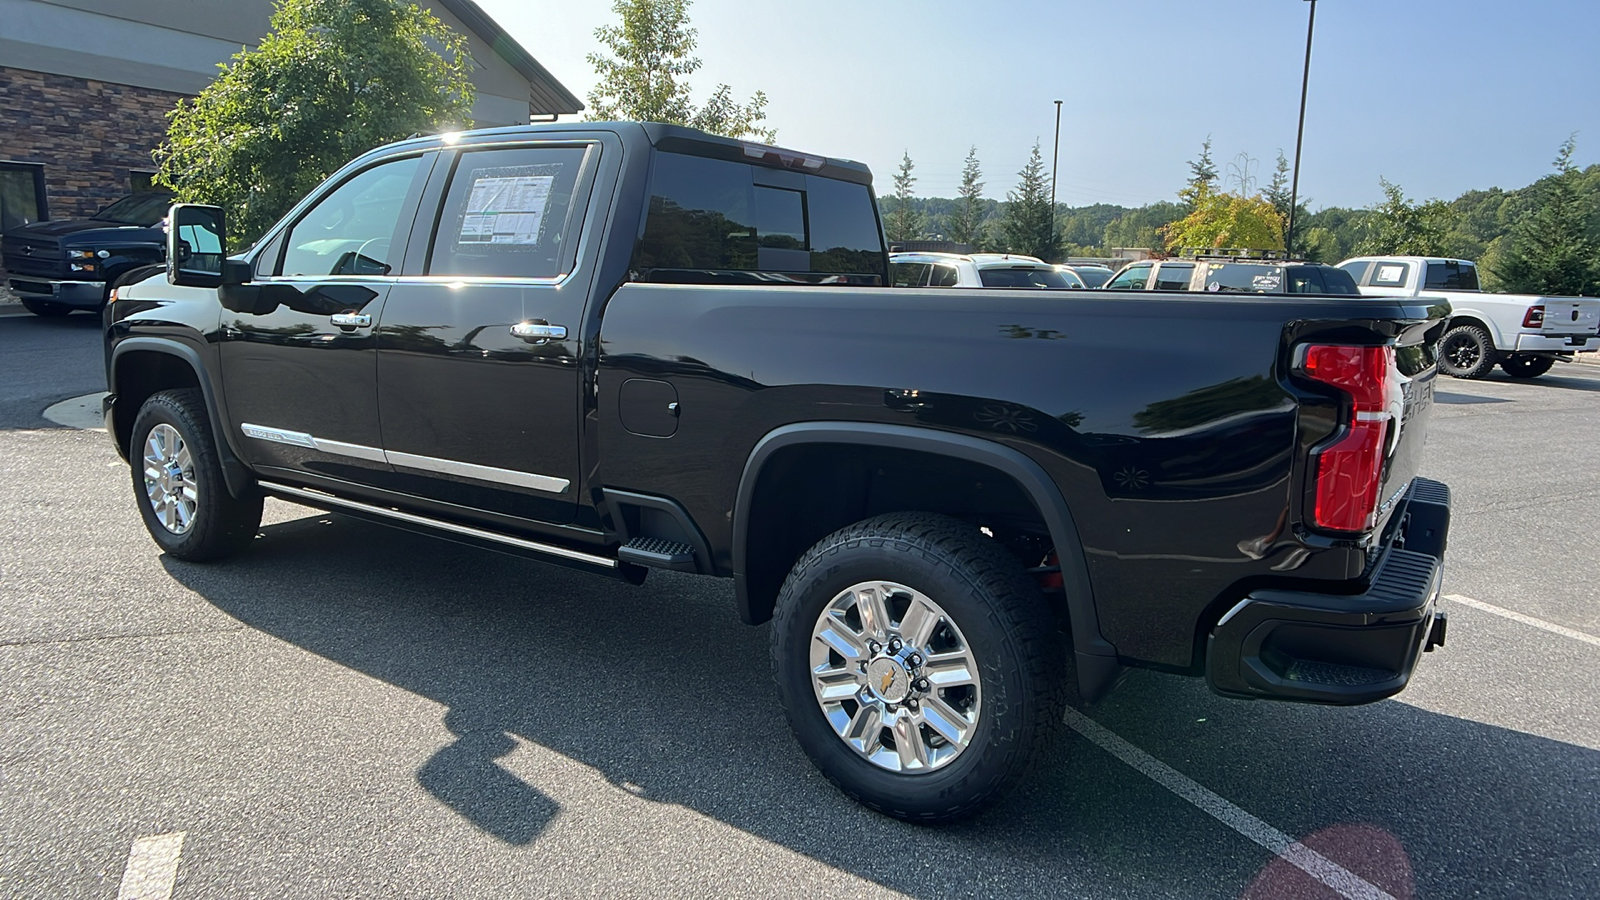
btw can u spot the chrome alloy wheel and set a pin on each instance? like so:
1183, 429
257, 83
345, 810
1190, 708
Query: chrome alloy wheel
895, 677
169, 479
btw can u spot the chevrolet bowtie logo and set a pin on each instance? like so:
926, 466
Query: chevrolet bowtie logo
888, 679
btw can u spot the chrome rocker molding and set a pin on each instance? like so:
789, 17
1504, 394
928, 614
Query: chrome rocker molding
317, 498
474, 471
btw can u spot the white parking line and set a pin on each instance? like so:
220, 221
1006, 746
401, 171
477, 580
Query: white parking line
1345, 882
152, 867
1514, 616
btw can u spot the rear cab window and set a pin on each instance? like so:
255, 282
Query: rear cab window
1450, 276
718, 220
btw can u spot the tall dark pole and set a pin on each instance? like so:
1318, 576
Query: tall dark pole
1055, 162
1294, 190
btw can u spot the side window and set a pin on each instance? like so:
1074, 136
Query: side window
352, 231
1306, 280
908, 274
1171, 277
708, 220
1132, 278
1387, 274
944, 276
1358, 270
509, 213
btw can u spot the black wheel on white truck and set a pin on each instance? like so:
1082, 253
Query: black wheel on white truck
920, 666
1466, 351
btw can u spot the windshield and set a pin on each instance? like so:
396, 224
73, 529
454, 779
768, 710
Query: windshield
1023, 277
139, 209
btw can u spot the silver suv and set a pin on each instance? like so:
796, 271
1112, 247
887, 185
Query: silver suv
1233, 274
991, 270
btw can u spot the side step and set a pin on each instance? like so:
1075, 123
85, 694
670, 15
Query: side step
464, 534
658, 553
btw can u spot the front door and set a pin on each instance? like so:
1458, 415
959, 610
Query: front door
478, 377
298, 355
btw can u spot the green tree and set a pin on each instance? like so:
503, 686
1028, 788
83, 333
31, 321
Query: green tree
1220, 219
333, 79
1279, 191
1028, 225
1398, 227
904, 222
966, 221
1202, 174
642, 79
1551, 250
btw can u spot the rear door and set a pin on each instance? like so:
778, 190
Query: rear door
478, 347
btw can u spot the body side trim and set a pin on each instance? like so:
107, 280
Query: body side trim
473, 471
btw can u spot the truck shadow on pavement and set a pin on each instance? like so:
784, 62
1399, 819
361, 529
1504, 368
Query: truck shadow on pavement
661, 689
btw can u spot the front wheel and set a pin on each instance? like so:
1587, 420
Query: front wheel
178, 483
1526, 366
920, 668
1466, 351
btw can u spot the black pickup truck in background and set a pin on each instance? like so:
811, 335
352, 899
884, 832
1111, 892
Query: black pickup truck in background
631, 346
60, 265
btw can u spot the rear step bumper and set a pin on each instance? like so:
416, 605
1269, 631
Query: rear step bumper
1342, 649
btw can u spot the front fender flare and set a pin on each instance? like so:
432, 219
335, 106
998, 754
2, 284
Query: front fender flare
238, 476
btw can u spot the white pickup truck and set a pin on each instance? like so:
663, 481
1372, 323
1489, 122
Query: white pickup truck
1524, 333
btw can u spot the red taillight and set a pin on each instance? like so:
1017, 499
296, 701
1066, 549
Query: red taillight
1534, 317
1349, 471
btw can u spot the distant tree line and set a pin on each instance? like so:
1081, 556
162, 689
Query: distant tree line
1542, 238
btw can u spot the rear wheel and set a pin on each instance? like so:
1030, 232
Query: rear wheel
919, 666
177, 480
1467, 352
46, 308
1526, 366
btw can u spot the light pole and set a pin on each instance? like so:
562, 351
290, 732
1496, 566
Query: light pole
1299, 136
1055, 162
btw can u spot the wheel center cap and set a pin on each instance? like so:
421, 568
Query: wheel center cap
888, 680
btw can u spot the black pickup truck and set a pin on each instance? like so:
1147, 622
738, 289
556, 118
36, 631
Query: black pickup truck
61, 265
631, 346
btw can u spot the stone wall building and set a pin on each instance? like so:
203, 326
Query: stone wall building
86, 85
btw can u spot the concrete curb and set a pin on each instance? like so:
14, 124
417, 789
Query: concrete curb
82, 413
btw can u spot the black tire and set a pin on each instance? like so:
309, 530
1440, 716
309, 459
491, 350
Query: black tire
1002, 616
220, 525
1526, 366
1466, 351
47, 308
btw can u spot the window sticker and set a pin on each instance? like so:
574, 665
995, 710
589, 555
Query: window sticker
1390, 274
1265, 282
506, 207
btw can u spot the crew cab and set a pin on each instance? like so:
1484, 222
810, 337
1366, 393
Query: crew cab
624, 347
60, 265
1524, 334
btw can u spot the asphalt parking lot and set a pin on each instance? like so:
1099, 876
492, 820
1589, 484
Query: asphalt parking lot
353, 711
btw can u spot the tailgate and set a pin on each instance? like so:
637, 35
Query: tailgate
1418, 364
1564, 316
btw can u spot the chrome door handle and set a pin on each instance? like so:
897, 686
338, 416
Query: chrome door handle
350, 320
539, 331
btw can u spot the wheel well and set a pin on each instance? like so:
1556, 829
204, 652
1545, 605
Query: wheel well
140, 374
1457, 321
804, 493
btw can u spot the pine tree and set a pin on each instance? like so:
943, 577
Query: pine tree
904, 222
1278, 189
1028, 226
967, 221
1551, 250
1202, 175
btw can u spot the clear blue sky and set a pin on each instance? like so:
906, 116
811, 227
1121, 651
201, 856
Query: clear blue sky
1439, 96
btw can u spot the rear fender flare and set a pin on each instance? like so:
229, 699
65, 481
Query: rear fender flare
1097, 663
